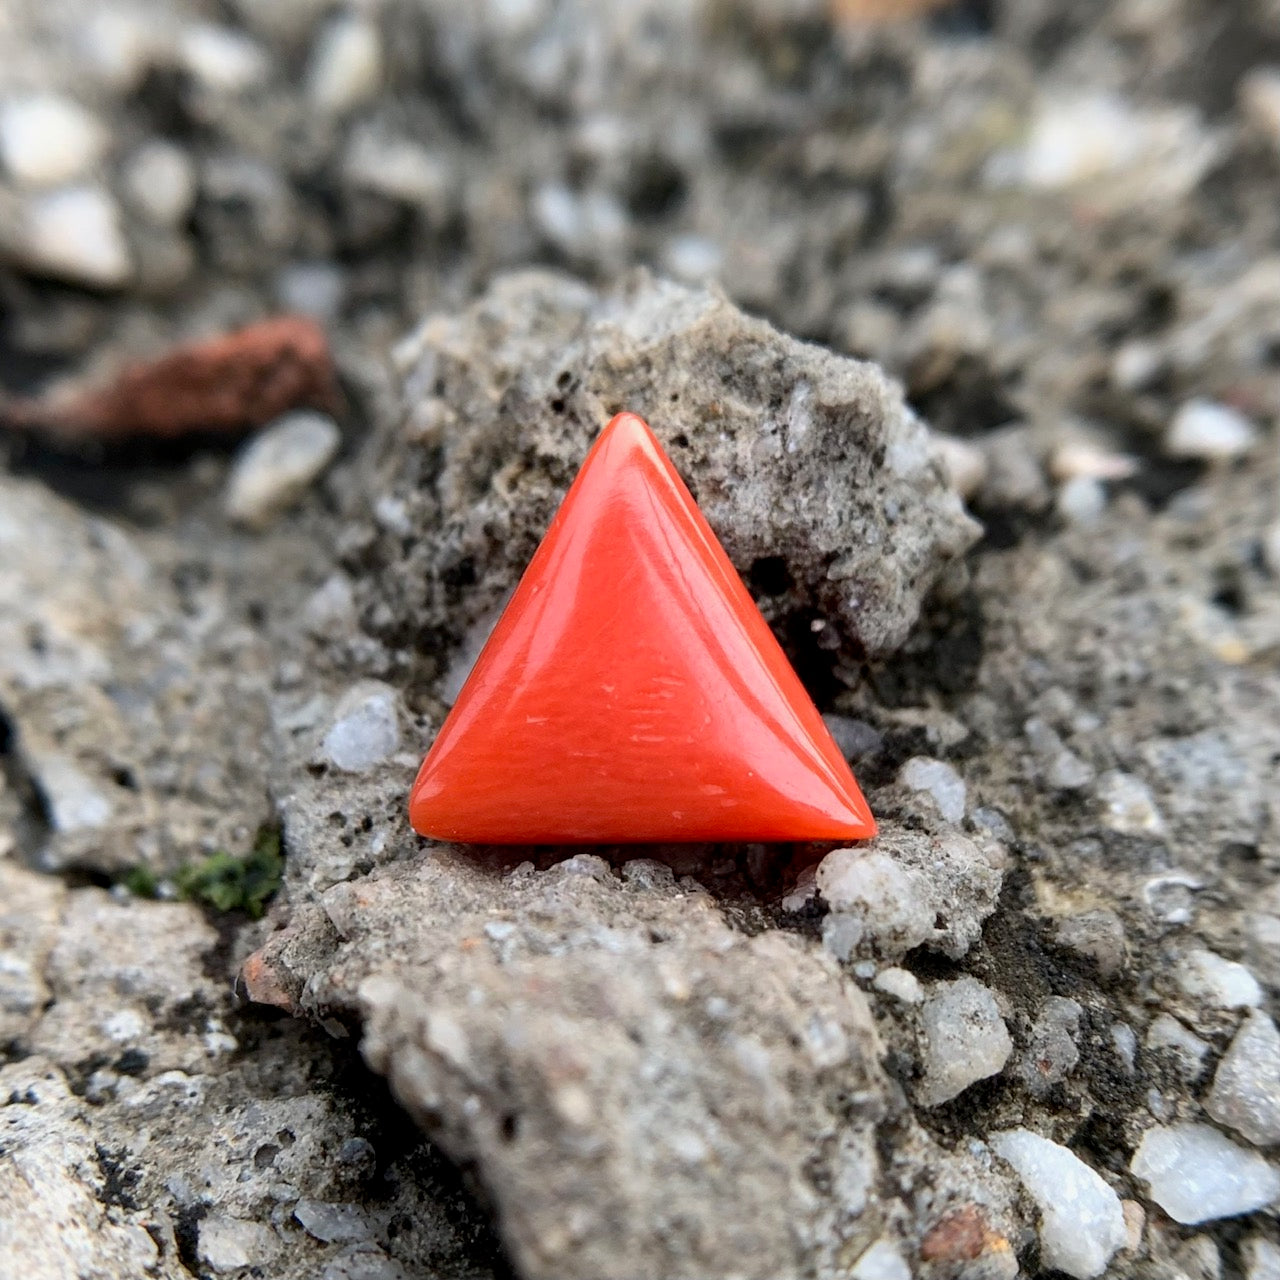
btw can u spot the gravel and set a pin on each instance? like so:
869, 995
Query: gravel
277, 467
1207, 977
1197, 1174
1081, 1223
1210, 432
964, 1039
46, 140
1246, 1087
939, 780
75, 234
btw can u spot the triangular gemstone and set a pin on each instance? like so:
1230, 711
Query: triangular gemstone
631, 691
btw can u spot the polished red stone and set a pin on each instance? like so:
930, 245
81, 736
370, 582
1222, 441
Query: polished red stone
631, 691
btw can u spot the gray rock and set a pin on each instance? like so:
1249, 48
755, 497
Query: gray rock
1097, 936
867, 522
938, 780
334, 1223
1246, 1087
1211, 979
1051, 1053
964, 1039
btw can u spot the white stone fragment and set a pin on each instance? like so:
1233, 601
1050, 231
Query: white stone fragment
47, 140
1076, 459
1209, 431
965, 1039
1128, 808
222, 59
901, 984
74, 234
1081, 1222
884, 897
841, 934
938, 779
1197, 1174
365, 729
346, 65
883, 1261
1246, 1088
278, 466
228, 1244
1224, 984
160, 182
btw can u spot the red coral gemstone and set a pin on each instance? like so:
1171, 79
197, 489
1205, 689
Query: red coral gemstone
631, 691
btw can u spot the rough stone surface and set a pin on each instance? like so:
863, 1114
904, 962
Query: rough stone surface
744, 412
1246, 1087
1082, 1224
965, 1039
934, 196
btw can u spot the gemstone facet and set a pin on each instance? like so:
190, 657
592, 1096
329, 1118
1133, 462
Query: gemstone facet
631, 691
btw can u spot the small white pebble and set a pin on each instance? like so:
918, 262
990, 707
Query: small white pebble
1197, 1174
1082, 500
1081, 1222
278, 466
1246, 1088
46, 140
1209, 431
900, 984
221, 59
1076, 459
1259, 95
74, 234
346, 66
160, 182
365, 729
939, 780
841, 934
1128, 807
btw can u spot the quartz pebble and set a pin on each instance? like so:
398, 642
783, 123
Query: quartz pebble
46, 140
229, 1244
1208, 431
221, 59
1223, 984
965, 1039
939, 780
1081, 1221
74, 234
901, 984
160, 182
278, 465
333, 1223
1197, 1174
346, 67
1246, 1089
1082, 500
365, 729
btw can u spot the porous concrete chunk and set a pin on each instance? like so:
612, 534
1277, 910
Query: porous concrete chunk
1246, 1087
1197, 1174
278, 466
808, 466
910, 889
965, 1039
600, 1046
52, 1225
1081, 1221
